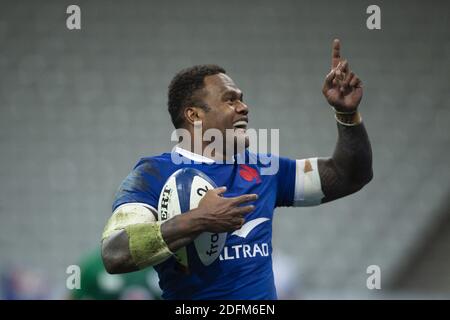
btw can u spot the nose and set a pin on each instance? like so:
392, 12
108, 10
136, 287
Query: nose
241, 108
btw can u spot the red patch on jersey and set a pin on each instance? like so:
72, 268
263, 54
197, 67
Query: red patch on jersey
249, 174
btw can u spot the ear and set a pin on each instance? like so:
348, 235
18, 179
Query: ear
193, 114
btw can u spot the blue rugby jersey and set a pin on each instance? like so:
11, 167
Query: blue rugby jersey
244, 268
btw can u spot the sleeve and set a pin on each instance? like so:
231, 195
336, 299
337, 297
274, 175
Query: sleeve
285, 181
298, 183
141, 186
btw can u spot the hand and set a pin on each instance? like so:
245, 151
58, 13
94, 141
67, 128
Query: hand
220, 214
342, 88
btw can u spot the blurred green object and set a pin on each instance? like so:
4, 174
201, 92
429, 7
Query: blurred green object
97, 284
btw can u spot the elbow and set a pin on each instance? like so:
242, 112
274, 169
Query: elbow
110, 263
110, 267
368, 176
115, 255
363, 180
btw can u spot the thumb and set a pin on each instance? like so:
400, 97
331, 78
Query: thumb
329, 80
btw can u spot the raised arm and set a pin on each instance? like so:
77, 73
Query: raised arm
350, 167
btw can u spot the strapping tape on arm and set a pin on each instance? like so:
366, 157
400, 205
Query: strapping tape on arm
146, 243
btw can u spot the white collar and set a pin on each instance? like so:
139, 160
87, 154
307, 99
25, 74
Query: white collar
193, 156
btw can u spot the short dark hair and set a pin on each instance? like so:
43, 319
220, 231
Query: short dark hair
184, 87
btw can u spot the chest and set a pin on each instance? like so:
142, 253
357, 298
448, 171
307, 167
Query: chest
246, 179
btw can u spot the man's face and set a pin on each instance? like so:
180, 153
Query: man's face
227, 109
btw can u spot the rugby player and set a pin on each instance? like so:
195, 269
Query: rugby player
244, 204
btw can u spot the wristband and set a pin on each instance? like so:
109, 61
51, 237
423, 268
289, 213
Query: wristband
349, 119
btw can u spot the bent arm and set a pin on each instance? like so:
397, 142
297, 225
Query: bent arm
133, 239
350, 167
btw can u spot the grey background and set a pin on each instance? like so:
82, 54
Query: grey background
78, 109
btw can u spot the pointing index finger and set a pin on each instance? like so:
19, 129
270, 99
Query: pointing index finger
336, 53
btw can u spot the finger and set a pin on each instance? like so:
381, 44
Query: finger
340, 76
335, 82
219, 190
244, 198
335, 53
354, 81
347, 80
243, 210
359, 83
238, 223
340, 73
344, 67
329, 78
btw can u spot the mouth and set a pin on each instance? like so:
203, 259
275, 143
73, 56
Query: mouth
240, 125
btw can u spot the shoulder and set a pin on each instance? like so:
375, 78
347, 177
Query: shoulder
145, 181
153, 166
147, 172
159, 160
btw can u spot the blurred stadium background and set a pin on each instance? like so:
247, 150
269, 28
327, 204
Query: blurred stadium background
78, 108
